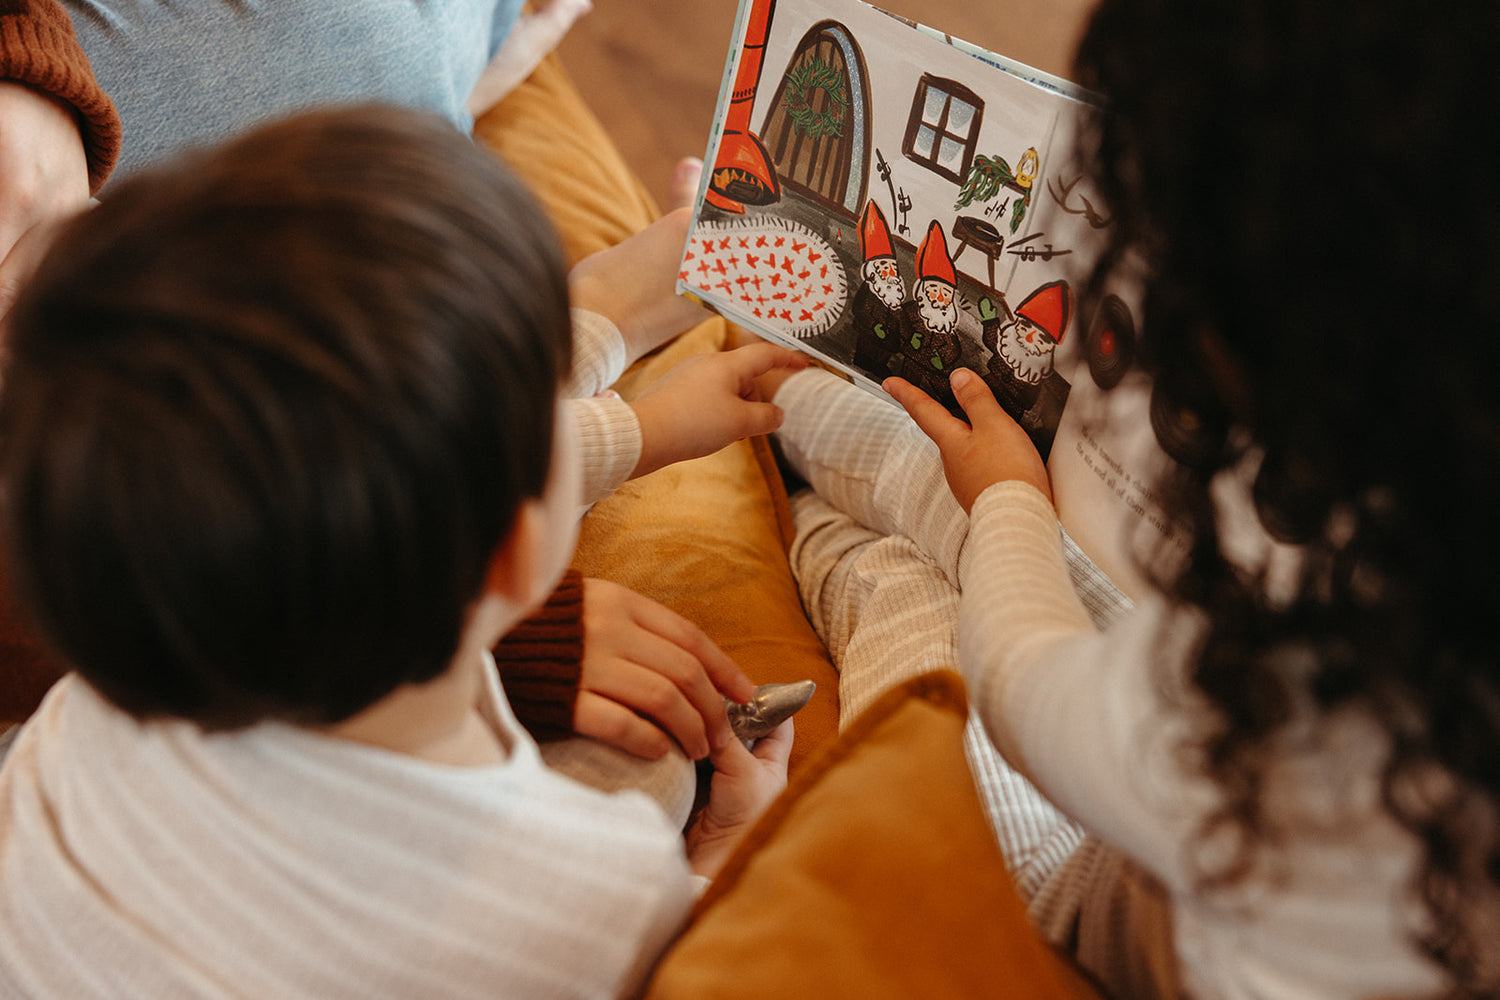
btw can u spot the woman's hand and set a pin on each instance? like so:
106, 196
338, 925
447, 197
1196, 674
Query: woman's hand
991, 448
708, 401
651, 677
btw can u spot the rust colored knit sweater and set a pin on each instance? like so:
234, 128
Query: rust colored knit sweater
38, 48
541, 659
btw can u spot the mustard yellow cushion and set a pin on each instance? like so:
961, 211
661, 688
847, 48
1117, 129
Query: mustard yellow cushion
875, 875
706, 538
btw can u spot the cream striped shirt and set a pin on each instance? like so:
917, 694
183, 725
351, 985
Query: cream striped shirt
151, 860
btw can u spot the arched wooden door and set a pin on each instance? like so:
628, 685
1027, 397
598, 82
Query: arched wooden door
817, 128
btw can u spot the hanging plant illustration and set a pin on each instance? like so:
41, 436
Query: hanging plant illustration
986, 176
801, 83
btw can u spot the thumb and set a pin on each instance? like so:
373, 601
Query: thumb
776, 746
733, 760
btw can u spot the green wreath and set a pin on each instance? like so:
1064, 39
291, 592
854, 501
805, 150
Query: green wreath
796, 99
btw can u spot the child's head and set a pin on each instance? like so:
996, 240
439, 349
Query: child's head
270, 410
1313, 190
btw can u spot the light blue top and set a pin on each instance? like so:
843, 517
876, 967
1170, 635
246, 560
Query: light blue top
184, 72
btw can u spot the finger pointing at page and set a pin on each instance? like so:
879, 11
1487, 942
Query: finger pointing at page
992, 448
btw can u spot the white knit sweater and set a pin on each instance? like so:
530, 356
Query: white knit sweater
609, 435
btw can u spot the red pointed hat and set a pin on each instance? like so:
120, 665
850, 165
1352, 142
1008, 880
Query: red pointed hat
1049, 307
932, 259
874, 233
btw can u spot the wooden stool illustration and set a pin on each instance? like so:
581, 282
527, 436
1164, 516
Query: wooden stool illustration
972, 230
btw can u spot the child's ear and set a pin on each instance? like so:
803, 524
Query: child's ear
515, 565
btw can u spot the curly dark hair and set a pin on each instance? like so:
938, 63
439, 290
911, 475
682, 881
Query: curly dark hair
1312, 194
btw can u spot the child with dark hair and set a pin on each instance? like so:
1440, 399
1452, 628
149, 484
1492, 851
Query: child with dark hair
283, 454
1285, 756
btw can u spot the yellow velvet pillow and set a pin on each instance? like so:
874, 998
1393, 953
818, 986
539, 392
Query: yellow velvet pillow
875, 875
706, 538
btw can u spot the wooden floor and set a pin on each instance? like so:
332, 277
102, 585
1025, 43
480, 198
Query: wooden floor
651, 69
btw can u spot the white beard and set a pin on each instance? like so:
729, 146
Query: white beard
938, 319
1029, 362
888, 289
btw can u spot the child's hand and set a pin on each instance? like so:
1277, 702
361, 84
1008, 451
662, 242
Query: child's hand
650, 677
993, 450
744, 784
634, 283
706, 402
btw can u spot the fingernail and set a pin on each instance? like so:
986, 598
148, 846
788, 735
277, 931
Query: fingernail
962, 378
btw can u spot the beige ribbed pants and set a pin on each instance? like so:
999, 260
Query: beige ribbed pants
876, 559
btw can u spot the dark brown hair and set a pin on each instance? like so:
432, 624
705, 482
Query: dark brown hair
269, 410
1309, 187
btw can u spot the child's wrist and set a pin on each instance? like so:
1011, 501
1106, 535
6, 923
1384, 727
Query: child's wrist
654, 452
709, 846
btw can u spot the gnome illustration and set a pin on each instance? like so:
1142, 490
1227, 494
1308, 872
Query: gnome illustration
930, 346
877, 303
1023, 347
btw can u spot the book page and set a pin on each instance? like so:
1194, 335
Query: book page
1105, 468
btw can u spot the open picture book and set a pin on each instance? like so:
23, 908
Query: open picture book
894, 201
